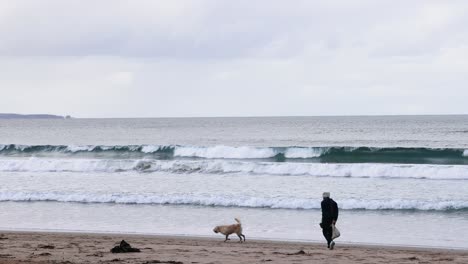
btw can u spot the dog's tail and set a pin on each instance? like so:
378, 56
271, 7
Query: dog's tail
238, 221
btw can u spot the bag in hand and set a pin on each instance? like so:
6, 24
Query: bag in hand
335, 232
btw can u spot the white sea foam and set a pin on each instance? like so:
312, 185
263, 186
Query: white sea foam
232, 201
423, 171
150, 148
465, 153
303, 152
75, 165
228, 152
340, 170
225, 152
77, 148
108, 147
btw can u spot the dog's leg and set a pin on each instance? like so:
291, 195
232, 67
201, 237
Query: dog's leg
243, 237
240, 238
227, 238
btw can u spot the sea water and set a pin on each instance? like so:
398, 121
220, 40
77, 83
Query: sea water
399, 180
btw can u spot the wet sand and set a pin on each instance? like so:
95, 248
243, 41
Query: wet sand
38, 247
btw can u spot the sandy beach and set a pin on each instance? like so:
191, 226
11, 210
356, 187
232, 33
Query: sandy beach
37, 247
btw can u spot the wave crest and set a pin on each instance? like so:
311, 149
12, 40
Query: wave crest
369, 170
276, 154
230, 201
225, 152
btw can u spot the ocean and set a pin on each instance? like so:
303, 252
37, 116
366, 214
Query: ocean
398, 180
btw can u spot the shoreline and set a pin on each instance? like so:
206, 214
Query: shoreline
75, 247
214, 237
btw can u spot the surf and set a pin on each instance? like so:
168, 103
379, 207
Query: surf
220, 166
232, 201
313, 154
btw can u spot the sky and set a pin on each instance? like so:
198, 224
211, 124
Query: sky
112, 58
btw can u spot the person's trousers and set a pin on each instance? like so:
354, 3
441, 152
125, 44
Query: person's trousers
327, 233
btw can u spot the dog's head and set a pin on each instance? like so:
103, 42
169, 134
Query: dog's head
216, 230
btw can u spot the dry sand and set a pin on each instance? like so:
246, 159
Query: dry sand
35, 247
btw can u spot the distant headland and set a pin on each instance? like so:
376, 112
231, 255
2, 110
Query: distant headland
34, 116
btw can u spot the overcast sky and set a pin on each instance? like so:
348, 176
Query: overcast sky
233, 58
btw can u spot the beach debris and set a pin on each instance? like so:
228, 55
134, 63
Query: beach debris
445, 259
46, 246
300, 252
124, 247
161, 261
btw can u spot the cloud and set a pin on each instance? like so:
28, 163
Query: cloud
121, 78
218, 58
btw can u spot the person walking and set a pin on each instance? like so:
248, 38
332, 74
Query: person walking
329, 218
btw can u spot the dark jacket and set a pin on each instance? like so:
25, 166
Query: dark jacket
329, 211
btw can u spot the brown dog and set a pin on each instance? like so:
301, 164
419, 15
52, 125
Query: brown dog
230, 229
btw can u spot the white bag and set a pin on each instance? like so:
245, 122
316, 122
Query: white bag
335, 232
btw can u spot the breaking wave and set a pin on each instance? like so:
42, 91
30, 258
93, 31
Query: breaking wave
231, 201
278, 154
368, 170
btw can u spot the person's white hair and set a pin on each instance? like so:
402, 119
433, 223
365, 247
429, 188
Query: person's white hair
326, 195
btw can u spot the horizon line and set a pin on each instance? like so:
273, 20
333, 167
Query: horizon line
269, 116
241, 116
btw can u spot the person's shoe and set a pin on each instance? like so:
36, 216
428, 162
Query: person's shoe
332, 245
